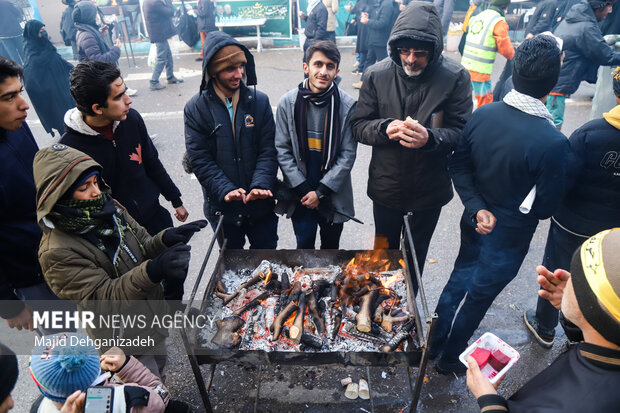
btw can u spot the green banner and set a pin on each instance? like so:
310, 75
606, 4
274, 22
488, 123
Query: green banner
277, 13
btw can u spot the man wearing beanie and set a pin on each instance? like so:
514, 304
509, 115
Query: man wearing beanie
591, 204
411, 110
229, 136
585, 50
8, 377
586, 378
487, 35
493, 169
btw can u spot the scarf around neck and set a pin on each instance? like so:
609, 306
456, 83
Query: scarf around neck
98, 220
331, 131
527, 104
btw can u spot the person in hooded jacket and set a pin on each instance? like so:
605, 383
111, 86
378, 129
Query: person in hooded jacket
91, 44
229, 136
585, 50
96, 255
46, 76
408, 170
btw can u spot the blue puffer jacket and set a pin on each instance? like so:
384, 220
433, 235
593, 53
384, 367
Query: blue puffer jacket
585, 49
222, 160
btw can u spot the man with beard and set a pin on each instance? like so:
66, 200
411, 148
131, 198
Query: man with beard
316, 149
408, 170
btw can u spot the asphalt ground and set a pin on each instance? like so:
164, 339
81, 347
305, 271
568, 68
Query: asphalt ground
314, 389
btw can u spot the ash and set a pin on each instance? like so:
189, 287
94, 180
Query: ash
255, 334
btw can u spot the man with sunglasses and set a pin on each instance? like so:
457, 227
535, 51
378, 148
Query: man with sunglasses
408, 171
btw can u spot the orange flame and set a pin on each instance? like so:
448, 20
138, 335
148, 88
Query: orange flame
267, 277
402, 263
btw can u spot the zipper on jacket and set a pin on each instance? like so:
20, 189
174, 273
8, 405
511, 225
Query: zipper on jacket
114, 142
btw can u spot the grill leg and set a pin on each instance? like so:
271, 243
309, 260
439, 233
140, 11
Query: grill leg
260, 373
200, 382
372, 403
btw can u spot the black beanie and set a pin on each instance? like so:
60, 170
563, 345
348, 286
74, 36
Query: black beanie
8, 372
535, 87
595, 273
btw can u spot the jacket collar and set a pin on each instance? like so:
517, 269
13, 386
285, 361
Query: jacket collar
75, 120
603, 357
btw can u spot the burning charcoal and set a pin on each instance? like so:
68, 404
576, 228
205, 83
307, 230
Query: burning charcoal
325, 308
351, 330
248, 334
227, 335
297, 329
400, 336
284, 281
314, 313
252, 303
322, 287
363, 317
270, 309
337, 315
388, 321
278, 323
307, 339
294, 294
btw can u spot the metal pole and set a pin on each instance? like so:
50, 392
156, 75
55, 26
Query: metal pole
200, 382
417, 389
415, 264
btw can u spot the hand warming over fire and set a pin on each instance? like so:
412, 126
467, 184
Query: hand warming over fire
235, 195
257, 193
310, 200
552, 284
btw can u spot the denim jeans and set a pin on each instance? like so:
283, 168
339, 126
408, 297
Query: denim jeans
305, 222
558, 254
484, 266
164, 59
262, 232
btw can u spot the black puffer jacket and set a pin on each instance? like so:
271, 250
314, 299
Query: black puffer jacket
222, 161
379, 23
158, 18
316, 25
205, 10
402, 178
90, 42
585, 49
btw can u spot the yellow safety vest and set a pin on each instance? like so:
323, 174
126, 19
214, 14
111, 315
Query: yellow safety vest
480, 46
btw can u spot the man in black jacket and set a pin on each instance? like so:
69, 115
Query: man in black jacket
542, 19
106, 128
158, 17
316, 23
494, 168
586, 377
408, 170
229, 135
591, 204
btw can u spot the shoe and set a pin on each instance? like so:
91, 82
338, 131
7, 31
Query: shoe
177, 406
199, 59
174, 81
356, 72
447, 367
355, 65
358, 85
157, 86
131, 92
543, 337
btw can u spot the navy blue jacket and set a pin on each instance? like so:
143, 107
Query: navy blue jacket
585, 49
495, 166
380, 23
316, 25
205, 10
592, 203
223, 162
19, 232
131, 165
542, 19
158, 17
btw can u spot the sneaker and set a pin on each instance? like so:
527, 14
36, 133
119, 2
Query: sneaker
356, 72
543, 337
174, 81
450, 367
356, 64
358, 85
199, 59
157, 86
131, 92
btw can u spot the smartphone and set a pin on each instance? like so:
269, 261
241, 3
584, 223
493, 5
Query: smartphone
99, 399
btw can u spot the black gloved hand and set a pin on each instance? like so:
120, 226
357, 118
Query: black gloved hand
171, 264
183, 233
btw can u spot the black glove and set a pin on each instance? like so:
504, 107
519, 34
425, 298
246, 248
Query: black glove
182, 233
171, 264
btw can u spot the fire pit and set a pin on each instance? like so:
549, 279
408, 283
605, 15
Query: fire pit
311, 307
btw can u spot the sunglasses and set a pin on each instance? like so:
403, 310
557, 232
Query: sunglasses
417, 53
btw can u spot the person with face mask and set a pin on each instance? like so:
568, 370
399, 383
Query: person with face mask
46, 76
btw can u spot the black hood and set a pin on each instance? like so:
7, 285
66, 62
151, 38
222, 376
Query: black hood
85, 12
581, 12
215, 41
421, 22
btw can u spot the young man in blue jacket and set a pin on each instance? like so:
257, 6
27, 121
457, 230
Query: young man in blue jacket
229, 136
496, 163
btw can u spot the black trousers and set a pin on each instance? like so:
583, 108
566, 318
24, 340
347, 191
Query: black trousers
389, 226
374, 54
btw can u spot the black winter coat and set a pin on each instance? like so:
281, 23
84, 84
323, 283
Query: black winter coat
585, 49
205, 10
402, 178
316, 25
361, 44
131, 165
221, 161
158, 17
67, 26
380, 23
19, 232
542, 19
592, 203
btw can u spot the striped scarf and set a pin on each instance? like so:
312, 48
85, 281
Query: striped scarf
331, 131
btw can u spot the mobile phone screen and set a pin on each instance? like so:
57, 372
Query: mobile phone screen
98, 400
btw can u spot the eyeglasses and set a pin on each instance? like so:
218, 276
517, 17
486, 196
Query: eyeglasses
403, 51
